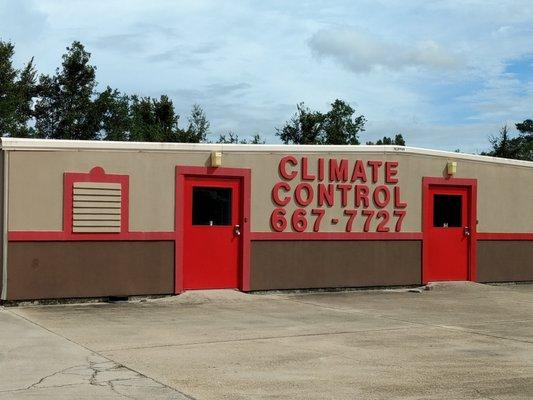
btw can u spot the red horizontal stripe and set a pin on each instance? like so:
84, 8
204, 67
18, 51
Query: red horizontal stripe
56, 236
504, 236
17, 236
336, 236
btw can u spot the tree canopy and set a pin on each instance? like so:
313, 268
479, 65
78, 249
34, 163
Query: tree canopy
526, 127
65, 108
398, 140
67, 105
519, 147
17, 89
337, 126
232, 137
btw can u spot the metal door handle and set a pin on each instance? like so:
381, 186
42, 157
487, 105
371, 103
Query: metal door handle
466, 231
237, 230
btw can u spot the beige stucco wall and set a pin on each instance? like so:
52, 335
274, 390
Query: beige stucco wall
505, 192
36, 185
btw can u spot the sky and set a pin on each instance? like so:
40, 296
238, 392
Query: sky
445, 74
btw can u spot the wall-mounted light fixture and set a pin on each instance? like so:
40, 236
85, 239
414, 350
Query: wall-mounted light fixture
451, 167
216, 158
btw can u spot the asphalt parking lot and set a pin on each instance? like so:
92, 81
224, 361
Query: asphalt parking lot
455, 341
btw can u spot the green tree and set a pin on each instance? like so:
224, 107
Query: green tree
65, 109
229, 138
69, 107
304, 127
17, 91
340, 126
232, 137
526, 139
114, 110
198, 126
397, 141
503, 145
153, 120
525, 127
337, 126
257, 139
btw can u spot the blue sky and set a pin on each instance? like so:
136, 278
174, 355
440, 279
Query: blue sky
445, 74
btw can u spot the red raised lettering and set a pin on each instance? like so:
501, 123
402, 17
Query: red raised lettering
384, 216
369, 214
306, 176
320, 169
300, 188
344, 188
326, 194
391, 171
319, 212
338, 171
277, 219
351, 216
383, 200
401, 215
283, 167
398, 203
298, 220
375, 169
359, 172
361, 195
276, 195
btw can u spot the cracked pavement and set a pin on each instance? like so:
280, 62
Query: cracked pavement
99, 372
458, 340
37, 363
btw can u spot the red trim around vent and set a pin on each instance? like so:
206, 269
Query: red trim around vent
97, 174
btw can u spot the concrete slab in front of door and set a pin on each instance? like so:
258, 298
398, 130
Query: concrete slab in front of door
459, 340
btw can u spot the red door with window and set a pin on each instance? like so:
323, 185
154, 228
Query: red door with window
212, 233
447, 233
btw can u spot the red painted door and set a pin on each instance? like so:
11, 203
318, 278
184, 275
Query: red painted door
212, 223
447, 234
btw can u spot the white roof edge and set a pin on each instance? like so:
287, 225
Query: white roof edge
13, 144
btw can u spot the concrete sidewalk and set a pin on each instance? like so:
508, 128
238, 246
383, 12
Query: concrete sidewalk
456, 341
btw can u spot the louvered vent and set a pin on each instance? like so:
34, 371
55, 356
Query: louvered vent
96, 207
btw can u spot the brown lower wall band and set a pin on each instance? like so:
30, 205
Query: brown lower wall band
329, 263
42, 270
504, 260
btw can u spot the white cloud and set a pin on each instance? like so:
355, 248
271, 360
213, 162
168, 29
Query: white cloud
500, 98
433, 71
361, 52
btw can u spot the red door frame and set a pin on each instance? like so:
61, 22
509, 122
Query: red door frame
471, 185
244, 174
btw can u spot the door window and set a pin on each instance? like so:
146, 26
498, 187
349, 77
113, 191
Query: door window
447, 210
211, 206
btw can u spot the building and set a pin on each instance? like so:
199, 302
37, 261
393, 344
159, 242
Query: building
95, 219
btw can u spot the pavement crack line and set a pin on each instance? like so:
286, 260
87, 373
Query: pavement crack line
47, 377
256, 338
503, 321
114, 389
438, 326
33, 386
37, 388
44, 378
